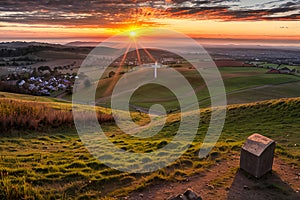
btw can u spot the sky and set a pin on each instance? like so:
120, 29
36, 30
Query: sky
69, 20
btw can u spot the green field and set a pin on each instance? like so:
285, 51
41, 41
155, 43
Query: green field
237, 81
268, 65
54, 164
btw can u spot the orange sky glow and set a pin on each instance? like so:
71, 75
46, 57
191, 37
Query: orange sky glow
198, 19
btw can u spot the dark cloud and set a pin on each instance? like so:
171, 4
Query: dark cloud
67, 12
276, 10
115, 13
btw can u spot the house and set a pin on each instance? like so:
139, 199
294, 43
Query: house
273, 71
285, 70
22, 83
32, 87
45, 92
32, 79
169, 60
62, 86
66, 81
53, 79
50, 87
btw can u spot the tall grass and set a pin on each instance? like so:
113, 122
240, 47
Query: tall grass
26, 115
19, 189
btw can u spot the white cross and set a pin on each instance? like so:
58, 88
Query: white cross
155, 69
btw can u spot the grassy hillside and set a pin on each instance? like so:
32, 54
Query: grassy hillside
34, 115
238, 82
55, 164
29, 97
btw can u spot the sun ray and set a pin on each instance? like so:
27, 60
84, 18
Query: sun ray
137, 52
148, 53
120, 68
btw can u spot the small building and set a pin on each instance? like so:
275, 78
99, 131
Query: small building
62, 86
285, 70
22, 83
273, 71
32, 87
257, 155
169, 60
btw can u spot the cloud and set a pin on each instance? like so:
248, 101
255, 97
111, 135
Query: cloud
118, 13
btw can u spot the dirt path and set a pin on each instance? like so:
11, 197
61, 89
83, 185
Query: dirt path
225, 181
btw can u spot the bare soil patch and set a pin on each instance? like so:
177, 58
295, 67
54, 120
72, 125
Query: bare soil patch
226, 181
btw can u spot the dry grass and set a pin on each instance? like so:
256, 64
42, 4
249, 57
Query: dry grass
26, 115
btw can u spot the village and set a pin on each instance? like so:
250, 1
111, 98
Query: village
42, 81
46, 86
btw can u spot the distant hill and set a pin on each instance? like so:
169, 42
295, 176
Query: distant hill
20, 44
82, 44
89, 44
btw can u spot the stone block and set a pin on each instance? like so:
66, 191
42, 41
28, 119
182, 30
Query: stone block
257, 155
